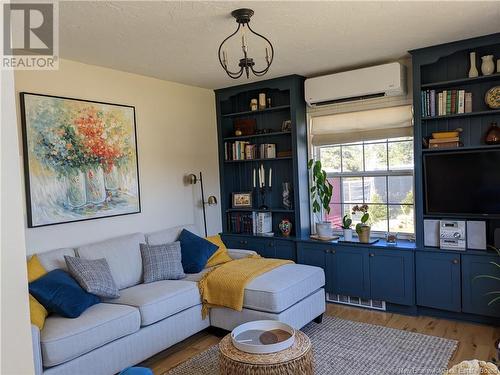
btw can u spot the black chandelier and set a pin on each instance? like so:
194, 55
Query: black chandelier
246, 63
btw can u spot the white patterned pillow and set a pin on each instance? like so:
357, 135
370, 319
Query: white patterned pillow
93, 275
162, 262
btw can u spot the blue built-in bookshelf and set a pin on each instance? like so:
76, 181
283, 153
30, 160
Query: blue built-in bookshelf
288, 161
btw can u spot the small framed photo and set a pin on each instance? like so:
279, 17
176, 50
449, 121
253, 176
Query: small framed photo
242, 200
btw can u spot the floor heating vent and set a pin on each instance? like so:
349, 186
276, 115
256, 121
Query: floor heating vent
356, 301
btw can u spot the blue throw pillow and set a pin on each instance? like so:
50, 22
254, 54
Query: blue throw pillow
59, 293
196, 251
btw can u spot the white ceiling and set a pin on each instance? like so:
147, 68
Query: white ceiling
178, 41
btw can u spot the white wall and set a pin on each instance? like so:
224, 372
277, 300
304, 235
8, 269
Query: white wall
16, 349
176, 132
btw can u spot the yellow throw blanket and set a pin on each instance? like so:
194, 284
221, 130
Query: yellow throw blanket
224, 286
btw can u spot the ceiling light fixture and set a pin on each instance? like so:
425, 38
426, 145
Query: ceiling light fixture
246, 64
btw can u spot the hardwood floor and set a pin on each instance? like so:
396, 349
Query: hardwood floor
475, 341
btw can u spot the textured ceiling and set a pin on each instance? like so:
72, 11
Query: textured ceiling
178, 41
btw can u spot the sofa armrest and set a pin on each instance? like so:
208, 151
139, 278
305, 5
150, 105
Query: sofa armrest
239, 253
37, 351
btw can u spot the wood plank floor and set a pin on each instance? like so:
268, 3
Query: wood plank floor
475, 341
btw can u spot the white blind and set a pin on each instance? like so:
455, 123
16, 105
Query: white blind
364, 125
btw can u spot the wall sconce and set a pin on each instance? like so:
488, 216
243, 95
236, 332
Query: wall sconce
211, 201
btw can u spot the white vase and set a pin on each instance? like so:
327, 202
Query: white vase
348, 234
75, 192
324, 229
94, 185
488, 66
473, 70
112, 179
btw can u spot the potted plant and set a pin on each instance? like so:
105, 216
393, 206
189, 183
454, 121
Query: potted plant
494, 293
321, 195
362, 229
346, 226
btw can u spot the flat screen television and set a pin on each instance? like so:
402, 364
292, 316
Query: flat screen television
465, 183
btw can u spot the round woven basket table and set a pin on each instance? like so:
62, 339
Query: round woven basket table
297, 359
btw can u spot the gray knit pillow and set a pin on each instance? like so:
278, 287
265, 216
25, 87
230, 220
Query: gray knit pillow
162, 262
93, 275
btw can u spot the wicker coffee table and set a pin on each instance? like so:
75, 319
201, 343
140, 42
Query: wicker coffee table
297, 359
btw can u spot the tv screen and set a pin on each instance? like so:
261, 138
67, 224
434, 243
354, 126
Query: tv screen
462, 183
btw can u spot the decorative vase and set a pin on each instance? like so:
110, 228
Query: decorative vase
493, 135
287, 196
364, 234
324, 229
488, 66
473, 70
348, 234
285, 227
94, 185
112, 179
75, 192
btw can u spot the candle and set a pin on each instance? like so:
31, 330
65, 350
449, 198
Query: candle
270, 174
260, 178
254, 178
262, 181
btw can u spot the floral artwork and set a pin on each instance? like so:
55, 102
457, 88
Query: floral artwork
80, 159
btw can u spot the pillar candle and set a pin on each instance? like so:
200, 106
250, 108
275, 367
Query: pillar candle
270, 174
254, 178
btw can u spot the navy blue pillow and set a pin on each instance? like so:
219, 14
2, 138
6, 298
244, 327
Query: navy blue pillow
59, 293
196, 251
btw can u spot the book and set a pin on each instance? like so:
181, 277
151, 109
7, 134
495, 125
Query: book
262, 222
454, 144
461, 101
440, 104
433, 102
468, 102
453, 102
443, 140
448, 102
422, 100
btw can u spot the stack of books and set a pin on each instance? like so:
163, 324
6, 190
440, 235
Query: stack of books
445, 140
243, 150
262, 223
447, 102
241, 222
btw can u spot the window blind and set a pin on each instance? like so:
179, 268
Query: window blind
367, 125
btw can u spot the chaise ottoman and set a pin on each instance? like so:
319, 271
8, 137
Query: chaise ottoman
292, 293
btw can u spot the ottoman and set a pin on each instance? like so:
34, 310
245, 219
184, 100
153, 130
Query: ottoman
293, 294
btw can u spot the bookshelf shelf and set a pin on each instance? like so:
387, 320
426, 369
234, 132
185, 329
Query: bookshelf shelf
258, 160
243, 137
459, 115
464, 148
461, 81
262, 111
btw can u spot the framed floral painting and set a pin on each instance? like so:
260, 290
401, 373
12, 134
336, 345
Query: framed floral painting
80, 159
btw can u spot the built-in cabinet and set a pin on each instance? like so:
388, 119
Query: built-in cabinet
381, 274
266, 247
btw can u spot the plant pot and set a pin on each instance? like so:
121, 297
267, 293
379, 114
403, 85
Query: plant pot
348, 234
324, 229
364, 234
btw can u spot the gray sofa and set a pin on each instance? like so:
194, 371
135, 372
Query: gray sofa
148, 318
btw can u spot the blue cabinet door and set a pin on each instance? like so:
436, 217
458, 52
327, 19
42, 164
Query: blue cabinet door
438, 280
316, 255
474, 290
350, 271
235, 242
285, 250
263, 247
392, 276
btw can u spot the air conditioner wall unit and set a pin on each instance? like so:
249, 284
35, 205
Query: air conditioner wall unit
381, 80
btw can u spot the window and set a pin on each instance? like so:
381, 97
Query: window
378, 173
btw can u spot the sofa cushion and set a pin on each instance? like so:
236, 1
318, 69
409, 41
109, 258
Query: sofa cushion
123, 256
59, 293
196, 251
162, 262
93, 275
54, 259
168, 235
64, 339
282, 287
161, 299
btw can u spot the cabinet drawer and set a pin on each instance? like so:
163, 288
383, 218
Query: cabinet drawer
263, 247
236, 242
438, 280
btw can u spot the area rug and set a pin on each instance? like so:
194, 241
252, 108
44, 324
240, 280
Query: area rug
345, 347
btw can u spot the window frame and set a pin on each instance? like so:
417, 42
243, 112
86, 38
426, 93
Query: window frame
316, 153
